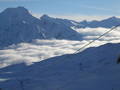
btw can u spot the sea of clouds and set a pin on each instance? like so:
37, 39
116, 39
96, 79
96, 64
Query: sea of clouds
93, 33
42, 49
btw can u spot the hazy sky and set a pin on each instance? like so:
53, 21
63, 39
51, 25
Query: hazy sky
68, 8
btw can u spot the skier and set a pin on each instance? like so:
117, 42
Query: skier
81, 66
118, 61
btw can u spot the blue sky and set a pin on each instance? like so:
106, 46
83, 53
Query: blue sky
67, 7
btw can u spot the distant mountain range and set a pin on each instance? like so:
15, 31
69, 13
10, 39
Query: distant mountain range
18, 25
107, 23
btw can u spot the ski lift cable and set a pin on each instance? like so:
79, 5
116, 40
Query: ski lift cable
83, 47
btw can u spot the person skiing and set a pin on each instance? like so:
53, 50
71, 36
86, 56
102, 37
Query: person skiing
118, 61
81, 66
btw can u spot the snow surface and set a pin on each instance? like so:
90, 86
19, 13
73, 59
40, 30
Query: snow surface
93, 69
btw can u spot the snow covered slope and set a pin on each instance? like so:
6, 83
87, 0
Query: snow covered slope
18, 25
93, 69
58, 28
66, 22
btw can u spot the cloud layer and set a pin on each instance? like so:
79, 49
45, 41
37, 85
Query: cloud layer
93, 33
42, 49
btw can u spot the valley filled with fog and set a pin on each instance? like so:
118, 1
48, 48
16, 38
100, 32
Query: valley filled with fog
39, 50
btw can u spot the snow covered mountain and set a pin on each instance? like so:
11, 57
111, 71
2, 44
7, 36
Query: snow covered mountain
66, 22
106, 23
93, 69
18, 25
58, 28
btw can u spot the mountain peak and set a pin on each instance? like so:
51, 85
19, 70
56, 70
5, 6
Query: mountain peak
45, 16
113, 18
17, 10
22, 9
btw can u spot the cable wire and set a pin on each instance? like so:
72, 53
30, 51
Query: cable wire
83, 47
